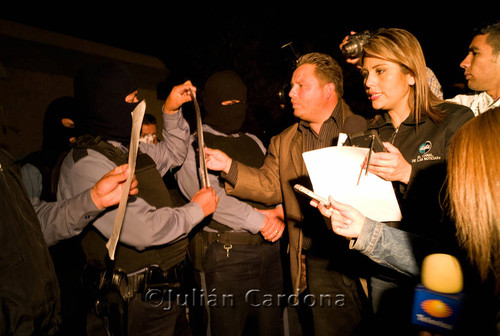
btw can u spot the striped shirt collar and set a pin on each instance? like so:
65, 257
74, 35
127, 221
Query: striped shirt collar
336, 117
329, 131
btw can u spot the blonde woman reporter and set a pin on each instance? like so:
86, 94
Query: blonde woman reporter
416, 127
473, 198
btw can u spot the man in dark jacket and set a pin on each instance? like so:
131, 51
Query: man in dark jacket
29, 290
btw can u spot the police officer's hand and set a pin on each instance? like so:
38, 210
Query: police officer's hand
108, 190
274, 224
179, 95
390, 166
207, 199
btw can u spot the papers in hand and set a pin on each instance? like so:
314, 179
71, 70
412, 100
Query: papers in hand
137, 116
335, 171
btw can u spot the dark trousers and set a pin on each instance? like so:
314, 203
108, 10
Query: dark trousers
337, 306
163, 317
247, 283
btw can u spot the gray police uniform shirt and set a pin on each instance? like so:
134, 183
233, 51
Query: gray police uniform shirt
66, 218
144, 225
236, 214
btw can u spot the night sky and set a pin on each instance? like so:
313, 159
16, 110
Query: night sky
212, 35
195, 40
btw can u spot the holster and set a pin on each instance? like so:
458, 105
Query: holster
112, 290
103, 289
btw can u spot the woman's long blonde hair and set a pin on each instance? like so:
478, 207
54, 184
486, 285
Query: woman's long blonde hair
401, 47
474, 189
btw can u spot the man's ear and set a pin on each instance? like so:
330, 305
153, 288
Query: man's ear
330, 89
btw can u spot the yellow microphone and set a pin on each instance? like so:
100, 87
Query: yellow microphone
438, 299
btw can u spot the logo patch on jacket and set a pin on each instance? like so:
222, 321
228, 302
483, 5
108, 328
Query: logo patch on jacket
425, 147
425, 153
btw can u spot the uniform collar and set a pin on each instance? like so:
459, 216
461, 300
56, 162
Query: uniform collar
385, 119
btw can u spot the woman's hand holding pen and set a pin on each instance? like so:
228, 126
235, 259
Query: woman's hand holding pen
390, 166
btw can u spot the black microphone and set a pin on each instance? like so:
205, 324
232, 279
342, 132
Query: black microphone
354, 124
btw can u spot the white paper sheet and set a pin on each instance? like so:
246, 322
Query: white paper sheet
335, 171
137, 117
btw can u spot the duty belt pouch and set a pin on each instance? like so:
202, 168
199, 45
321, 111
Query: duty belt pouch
198, 244
197, 249
160, 285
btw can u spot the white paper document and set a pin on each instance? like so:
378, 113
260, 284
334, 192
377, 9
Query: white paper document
137, 117
334, 171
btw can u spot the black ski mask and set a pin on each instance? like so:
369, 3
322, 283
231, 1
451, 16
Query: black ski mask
225, 86
100, 91
56, 136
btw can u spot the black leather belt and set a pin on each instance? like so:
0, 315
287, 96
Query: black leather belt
233, 238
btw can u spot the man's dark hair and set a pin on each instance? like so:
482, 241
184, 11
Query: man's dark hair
149, 119
493, 38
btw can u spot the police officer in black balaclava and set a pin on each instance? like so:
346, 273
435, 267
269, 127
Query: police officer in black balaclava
59, 133
250, 261
151, 252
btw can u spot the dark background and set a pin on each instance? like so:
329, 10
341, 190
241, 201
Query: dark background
195, 40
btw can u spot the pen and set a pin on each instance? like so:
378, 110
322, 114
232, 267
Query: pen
359, 177
369, 156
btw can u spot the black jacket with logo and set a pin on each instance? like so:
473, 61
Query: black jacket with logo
425, 147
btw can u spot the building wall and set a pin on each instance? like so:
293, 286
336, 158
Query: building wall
38, 66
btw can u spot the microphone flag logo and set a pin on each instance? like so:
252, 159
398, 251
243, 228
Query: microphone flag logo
436, 308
